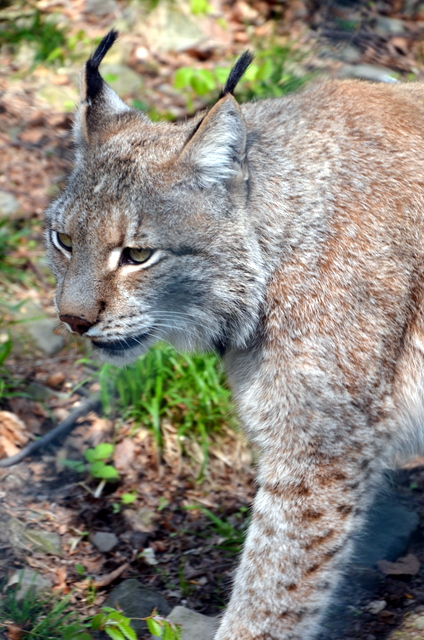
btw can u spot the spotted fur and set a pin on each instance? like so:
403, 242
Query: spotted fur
287, 235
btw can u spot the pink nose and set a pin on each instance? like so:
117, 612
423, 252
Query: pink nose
79, 325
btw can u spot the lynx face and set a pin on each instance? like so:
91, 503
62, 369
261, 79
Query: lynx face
149, 240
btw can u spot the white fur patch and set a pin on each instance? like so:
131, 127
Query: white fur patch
114, 258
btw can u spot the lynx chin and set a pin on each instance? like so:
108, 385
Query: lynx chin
288, 236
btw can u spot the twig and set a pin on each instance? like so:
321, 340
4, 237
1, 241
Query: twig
62, 429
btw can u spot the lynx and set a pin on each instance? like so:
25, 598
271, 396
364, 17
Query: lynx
287, 235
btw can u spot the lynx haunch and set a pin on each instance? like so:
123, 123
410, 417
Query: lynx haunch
287, 235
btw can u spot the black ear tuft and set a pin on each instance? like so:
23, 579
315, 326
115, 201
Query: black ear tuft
236, 72
93, 79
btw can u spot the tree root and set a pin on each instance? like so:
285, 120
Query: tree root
62, 429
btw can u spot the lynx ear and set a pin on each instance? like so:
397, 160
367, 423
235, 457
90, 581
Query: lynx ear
216, 150
98, 100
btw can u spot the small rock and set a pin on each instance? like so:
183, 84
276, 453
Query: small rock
193, 625
123, 80
376, 606
42, 332
45, 541
39, 393
29, 580
366, 72
9, 205
419, 623
140, 520
148, 555
138, 539
385, 25
100, 8
33, 539
104, 541
138, 602
170, 28
350, 54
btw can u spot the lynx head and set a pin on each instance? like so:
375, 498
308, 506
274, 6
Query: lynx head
151, 238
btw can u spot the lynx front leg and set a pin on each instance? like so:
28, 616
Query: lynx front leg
298, 542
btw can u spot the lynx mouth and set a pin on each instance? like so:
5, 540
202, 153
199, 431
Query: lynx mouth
123, 344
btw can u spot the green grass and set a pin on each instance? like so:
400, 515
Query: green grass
34, 616
48, 40
187, 389
232, 537
38, 617
269, 76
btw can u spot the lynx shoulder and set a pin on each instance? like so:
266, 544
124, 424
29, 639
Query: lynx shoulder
287, 235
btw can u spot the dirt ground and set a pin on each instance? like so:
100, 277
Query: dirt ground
193, 559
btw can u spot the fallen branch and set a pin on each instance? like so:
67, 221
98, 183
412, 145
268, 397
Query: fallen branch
62, 429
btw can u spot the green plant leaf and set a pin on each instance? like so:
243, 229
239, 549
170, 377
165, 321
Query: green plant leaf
168, 632
75, 631
203, 81
265, 70
221, 74
199, 6
154, 627
5, 349
103, 451
127, 630
97, 621
89, 455
183, 77
114, 633
99, 469
75, 465
128, 498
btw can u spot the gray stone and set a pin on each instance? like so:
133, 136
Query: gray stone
419, 623
350, 54
137, 601
122, 79
9, 205
28, 539
391, 26
42, 331
41, 393
40, 328
171, 27
194, 626
29, 580
366, 72
104, 541
101, 7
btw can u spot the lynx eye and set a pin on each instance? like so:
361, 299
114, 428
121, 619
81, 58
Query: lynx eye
64, 240
138, 255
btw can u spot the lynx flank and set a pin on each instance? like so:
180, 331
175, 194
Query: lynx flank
288, 235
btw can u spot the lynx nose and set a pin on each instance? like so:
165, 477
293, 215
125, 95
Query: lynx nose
79, 325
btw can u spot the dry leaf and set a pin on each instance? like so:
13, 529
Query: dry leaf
407, 566
14, 631
124, 454
13, 433
106, 580
60, 579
